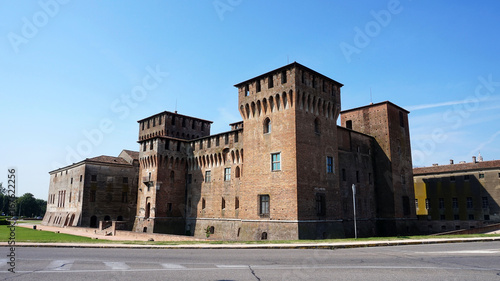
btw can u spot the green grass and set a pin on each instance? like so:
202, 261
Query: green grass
24, 234
30, 235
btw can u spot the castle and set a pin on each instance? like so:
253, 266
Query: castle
285, 172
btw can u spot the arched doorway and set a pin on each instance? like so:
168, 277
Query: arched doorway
93, 221
119, 218
107, 218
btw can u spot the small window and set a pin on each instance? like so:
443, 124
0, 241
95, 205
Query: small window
329, 164
172, 177
481, 176
209, 143
303, 77
320, 204
348, 124
344, 175
257, 85
471, 217
208, 176
169, 207
317, 126
217, 141
193, 125
452, 178
154, 122
183, 122
270, 82
81, 178
441, 203
324, 86
263, 236
142, 126
275, 161
267, 126
93, 178
167, 144
148, 124
442, 217
247, 91
427, 204
470, 205
173, 120
237, 172
71, 181
227, 174
201, 144
226, 139
264, 205
357, 176
223, 204
203, 204
283, 77
125, 180
456, 217
159, 120
466, 177
236, 203
151, 145
416, 204
236, 137
370, 180
124, 197
92, 196
485, 202
314, 82
454, 202
486, 217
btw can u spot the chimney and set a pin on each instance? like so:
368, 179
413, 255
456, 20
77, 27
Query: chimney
473, 159
451, 161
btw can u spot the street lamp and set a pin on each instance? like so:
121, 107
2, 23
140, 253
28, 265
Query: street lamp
354, 207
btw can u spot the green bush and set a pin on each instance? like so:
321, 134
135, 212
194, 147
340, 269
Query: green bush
4, 222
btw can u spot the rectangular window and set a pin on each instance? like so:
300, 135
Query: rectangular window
454, 202
169, 207
159, 120
69, 198
93, 178
320, 204
167, 144
485, 203
329, 164
406, 205
201, 144
217, 141
79, 195
481, 176
416, 204
456, 217
236, 137
427, 204
270, 82
257, 85
208, 176
370, 181
81, 178
247, 91
357, 176
92, 196
283, 77
209, 143
71, 181
173, 120
324, 86
142, 126
314, 82
124, 197
486, 217
452, 178
227, 174
441, 203
469, 203
203, 204
442, 217
125, 180
471, 217
466, 177
236, 203
344, 175
223, 204
144, 146
151, 145
148, 124
276, 162
154, 122
348, 124
264, 205
226, 139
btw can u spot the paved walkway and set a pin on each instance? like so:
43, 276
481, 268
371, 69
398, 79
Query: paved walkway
133, 236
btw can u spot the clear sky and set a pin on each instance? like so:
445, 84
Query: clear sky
75, 76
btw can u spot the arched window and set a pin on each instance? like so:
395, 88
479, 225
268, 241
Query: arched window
267, 126
172, 177
317, 126
237, 172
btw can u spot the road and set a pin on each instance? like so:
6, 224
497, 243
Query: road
461, 261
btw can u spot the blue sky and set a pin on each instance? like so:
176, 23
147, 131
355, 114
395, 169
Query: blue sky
71, 72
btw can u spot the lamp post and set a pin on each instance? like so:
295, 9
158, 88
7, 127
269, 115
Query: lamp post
354, 207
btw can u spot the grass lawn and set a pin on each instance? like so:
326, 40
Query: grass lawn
24, 234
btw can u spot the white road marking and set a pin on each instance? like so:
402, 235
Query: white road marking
172, 266
117, 265
60, 265
463, 252
231, 266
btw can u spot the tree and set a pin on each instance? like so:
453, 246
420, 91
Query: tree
42, 204
27, 206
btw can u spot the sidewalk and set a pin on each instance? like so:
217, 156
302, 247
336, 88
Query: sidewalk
175, 238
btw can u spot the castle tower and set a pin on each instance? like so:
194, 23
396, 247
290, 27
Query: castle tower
388, 124
164, 149
289, 117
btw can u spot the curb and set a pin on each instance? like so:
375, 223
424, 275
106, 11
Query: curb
331, 246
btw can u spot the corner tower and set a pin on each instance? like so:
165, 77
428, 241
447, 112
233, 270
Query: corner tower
291, 149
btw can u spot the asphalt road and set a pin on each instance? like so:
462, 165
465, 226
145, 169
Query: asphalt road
462, 261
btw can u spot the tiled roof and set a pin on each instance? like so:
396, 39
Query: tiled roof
133, 154
483, 165
108, 159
